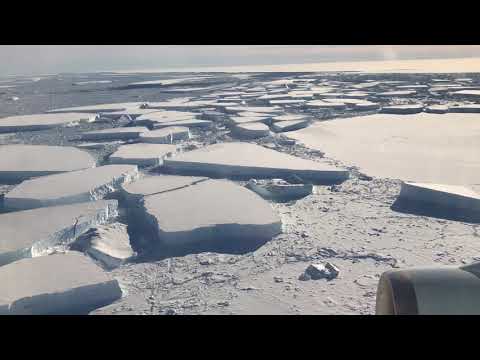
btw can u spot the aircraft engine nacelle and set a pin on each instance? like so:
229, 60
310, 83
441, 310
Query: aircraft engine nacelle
447, 290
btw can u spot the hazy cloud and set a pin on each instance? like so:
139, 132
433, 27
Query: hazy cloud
42, 59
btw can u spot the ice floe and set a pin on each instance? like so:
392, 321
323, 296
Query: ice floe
185, 123
20, 162
283, 126
119, 133
57, 284
166, 135
142, 154
466, 108
211, 211
69, 188
450, 196
251, 130
250, 160
423, 147
101, 108
159, 117
437, 109
31, 233
43, 121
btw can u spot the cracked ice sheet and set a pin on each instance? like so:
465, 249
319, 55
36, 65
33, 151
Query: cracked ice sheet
151, 185
68, 188
188, 215
354, 221
31, 232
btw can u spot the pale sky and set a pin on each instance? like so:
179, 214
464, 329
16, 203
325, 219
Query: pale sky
52, 59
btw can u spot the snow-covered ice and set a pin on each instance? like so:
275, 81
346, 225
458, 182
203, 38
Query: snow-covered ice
107, 244
186, 123
250, 160
120, 133
450, 196
166, 135
20, 162
30, 233
57, 284
250, 130
212, 210
43, 121
142, 154
284, 126
437, 148
69, 188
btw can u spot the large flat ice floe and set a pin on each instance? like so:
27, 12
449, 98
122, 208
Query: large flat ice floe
131, 112
357, 95
251, 130
43, 121
101, 108
221, 106
266, 98
287, 102
212, 210
468, 93
412, 86
333, 95
436, 148
30, 233
142, 154
283, 126
120, 133
187, 123
290, 117
180, 103
166, 135
57, 284
167, 82
437, 109
321, 104
450, 196
396, 93
158, 117
99, 145
256, 109
153, 185
69, 188
348, 101
299, 94
252, 114
20, 162
467, 108
250, 160
365, 106
237, 120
